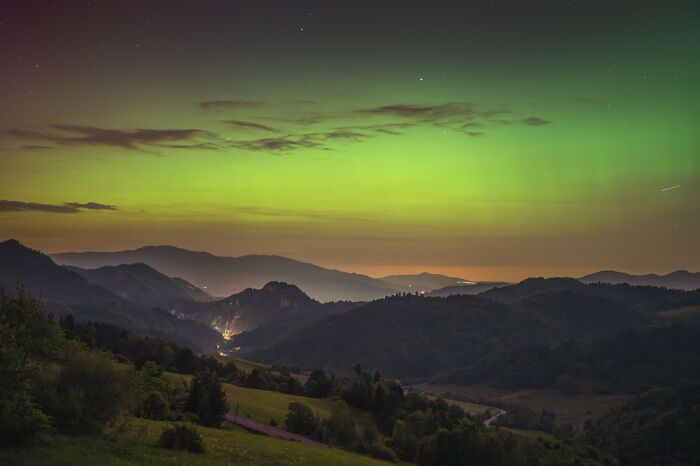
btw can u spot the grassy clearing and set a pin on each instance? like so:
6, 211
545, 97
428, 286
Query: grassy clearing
264, 405
569, 408
244, 365
138, 446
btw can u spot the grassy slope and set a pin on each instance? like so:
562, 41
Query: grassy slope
138, 446
263, 405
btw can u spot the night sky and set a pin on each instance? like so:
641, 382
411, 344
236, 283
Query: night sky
491, 139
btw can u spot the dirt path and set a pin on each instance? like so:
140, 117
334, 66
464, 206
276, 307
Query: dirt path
499, 412
270, 431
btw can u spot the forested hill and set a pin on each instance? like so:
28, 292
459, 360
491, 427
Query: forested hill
416, 336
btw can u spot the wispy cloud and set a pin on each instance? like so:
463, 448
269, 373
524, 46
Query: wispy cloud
131, 139
65, 208
249, 125
534, 121
90, 206
218, 105
280, 144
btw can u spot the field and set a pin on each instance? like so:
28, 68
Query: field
138, 446
263, 405
574, 409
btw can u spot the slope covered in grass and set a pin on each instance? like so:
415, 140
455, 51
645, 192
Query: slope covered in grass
138, 446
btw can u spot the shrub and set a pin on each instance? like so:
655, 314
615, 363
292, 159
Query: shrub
300, 419
381, 452
90, 391
182, 437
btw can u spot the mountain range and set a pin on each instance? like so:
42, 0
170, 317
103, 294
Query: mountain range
680, 279
64, 292
223, 276
145, 286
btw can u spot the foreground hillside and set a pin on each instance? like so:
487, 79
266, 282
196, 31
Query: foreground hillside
138, 445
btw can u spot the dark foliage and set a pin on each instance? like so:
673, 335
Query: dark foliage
301, 420
661, 426
182, 437
27, 331
207, 399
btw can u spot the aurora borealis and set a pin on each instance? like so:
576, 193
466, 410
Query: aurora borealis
494, 140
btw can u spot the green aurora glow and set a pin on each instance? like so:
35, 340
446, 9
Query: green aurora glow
466, 146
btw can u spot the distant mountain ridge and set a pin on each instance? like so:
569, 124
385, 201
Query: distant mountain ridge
64, 291
223, 276
680, 279
145, 286
423, 282
474, 288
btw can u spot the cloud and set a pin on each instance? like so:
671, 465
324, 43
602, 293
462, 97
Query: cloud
249, 125
436, 114
345, 134
90, 206
65, 208
125, 139
219, 105
534, 121
280, 144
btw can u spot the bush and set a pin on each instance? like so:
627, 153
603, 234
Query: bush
381, 452
90, 391
182, 437
300, 419
154, 407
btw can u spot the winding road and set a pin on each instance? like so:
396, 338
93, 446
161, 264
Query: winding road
499, 412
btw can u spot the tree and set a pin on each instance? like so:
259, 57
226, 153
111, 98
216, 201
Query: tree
319, 385
403, 441
300, 419
207, 399
27, 331
340, 426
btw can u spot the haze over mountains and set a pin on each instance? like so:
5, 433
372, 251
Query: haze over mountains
133, 289
145, 286
223, 276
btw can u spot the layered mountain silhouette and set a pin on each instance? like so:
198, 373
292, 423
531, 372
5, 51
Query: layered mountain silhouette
65, 291
145, 286
472, 288
680, 279
223, 276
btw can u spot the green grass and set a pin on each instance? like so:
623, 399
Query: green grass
138, 446
264, 405
244, 365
